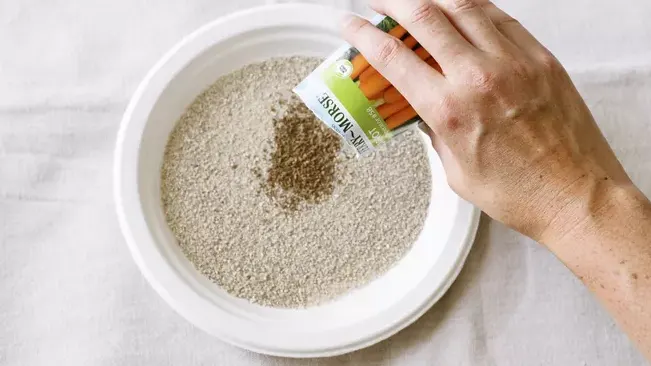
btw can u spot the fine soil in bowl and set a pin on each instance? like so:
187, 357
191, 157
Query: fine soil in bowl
266, 202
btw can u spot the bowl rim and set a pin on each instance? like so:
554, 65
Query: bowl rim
141, 241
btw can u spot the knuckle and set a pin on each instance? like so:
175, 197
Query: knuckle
447, 113
388, 50
484, 80
548, 62
423, 13
463, 5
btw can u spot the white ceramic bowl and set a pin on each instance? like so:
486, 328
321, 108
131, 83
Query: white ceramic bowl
357, 320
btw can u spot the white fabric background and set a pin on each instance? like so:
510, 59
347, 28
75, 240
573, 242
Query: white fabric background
71, 295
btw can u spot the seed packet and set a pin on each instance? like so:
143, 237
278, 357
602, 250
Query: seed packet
354, 100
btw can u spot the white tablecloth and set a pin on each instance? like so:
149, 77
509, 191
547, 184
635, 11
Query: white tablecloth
71, 295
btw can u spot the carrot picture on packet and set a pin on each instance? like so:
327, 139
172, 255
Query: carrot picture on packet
355, 100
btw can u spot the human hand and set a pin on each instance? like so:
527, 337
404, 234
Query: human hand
513, 134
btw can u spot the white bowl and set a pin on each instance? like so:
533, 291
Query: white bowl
356, 320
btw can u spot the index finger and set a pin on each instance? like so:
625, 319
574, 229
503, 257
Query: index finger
391, 58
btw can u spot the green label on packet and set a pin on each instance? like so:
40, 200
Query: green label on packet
334, 95
337, 78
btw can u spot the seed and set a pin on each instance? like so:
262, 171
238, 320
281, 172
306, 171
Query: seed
303, 221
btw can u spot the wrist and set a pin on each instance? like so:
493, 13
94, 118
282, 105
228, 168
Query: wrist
595, 203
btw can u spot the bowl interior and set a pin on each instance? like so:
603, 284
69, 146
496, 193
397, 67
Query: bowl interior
343, 313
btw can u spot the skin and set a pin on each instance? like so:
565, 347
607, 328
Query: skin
517, 140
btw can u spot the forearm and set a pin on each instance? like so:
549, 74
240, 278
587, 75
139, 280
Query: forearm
609, 249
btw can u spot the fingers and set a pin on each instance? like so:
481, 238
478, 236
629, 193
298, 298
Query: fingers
473, 23
391, 58
431, 28
511, 28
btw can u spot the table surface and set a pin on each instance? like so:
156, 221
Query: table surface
71, 295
